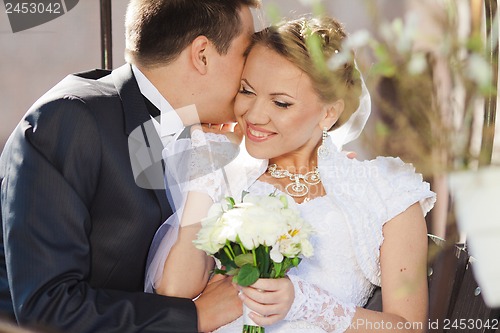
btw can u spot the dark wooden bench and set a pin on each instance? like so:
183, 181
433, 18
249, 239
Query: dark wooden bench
455, 298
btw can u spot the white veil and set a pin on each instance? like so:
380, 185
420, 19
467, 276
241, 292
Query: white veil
352, 128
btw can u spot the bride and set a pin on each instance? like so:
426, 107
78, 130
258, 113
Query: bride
295, 115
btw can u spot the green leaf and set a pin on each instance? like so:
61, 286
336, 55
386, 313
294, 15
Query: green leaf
232, 272
263, 260
273, 13
314, 46
231, 202
381, 53
284, 200
247, 275
318, 9
381, 129
475, 43
225, 260
244, 259
236, 249
220, 271
384, 69
277, 270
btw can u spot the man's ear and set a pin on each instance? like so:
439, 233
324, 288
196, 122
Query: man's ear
332, 113
199, 54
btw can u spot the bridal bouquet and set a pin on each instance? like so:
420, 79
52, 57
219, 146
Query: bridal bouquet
261, 237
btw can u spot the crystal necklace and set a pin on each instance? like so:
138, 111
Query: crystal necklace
296, 188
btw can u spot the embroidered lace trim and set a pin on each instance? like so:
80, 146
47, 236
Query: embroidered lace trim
319, 308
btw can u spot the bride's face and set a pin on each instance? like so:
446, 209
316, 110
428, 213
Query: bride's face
277, 108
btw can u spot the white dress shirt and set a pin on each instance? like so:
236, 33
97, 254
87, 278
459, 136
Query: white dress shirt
169, 123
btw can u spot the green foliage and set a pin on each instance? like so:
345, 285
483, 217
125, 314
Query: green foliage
426, 96
246, 268
247, 275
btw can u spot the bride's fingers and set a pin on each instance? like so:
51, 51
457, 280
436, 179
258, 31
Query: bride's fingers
210, 128
264, 309
269, 291
227, 127
260, 296
218, 128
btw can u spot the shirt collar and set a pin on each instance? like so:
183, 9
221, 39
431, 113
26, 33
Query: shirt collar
170, 123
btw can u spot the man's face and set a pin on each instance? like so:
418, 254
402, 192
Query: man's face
226, 74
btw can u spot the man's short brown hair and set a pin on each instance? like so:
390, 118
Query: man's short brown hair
157, 31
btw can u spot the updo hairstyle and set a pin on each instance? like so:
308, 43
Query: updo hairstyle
309, 43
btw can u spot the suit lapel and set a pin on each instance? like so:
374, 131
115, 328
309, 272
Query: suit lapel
145, 146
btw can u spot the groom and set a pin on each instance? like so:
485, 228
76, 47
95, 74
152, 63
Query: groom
76, 226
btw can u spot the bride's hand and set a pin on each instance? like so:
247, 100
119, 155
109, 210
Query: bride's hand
269, 299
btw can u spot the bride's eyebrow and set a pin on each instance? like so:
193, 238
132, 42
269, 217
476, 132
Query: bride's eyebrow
281, 94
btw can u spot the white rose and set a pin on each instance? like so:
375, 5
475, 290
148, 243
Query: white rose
290, 247
275, 253
207, 239
231, 222
271, 224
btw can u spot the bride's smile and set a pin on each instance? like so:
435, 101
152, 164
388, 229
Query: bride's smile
258, 134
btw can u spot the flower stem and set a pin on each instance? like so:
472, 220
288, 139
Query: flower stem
253, 329
229, 251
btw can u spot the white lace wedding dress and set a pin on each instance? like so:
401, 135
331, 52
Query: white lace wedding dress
361, 197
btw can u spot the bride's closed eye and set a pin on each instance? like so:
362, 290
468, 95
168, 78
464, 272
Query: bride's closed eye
245, 91
282, 105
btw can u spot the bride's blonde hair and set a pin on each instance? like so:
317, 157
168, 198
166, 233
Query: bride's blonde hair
309, 43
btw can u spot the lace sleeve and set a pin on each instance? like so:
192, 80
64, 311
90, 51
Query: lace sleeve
197, 163
319, 308
205, 182
399, 186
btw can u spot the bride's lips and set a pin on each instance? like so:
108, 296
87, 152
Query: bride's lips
257, 134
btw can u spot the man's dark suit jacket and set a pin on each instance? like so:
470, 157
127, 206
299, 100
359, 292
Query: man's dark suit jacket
76, 227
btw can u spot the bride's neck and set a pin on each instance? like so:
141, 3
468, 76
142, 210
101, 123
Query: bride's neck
295, 163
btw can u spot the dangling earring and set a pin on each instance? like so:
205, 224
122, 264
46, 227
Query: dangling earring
323, 151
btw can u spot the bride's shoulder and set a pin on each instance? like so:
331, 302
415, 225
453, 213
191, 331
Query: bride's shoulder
391, 171
383, 173
399, 184
380, 166
390, 166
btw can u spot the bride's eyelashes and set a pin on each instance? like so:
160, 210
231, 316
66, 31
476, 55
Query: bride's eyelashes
245, 90
282, 105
